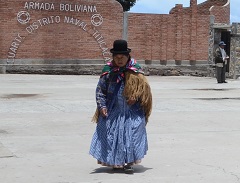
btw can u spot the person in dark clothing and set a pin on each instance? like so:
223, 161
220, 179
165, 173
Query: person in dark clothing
221, 61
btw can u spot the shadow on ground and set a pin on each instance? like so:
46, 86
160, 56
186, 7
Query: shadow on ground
137, 169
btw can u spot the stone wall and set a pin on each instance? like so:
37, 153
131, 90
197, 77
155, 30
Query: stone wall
235, 51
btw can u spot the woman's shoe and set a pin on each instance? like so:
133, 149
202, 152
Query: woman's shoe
128, 169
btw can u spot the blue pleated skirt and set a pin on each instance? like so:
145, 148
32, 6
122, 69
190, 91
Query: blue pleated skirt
120, 137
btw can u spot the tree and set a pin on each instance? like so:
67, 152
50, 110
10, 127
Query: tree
127, 4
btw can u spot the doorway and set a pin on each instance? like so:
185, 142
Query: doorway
226, 37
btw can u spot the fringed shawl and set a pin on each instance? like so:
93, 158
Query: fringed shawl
137, 88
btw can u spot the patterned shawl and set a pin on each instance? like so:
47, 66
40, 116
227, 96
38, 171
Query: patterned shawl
131, 65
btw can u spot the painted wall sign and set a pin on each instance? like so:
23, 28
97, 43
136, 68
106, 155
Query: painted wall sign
60, 7
24, 17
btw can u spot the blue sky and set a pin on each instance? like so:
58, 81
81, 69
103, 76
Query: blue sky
164, 6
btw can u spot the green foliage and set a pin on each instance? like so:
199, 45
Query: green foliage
127, 4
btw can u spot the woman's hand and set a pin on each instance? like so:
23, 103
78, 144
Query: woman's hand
103, 112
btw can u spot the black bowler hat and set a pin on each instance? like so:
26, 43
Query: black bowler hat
120, 47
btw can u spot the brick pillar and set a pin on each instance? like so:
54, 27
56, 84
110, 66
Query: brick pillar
164, 35
193, 46
179, 32
148, 52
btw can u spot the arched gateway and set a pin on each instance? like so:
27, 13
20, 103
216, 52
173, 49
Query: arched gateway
76, 36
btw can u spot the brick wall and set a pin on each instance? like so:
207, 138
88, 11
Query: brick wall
55, 34
181, 35
219, 8
50, 35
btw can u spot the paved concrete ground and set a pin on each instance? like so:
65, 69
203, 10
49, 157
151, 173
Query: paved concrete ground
46, 129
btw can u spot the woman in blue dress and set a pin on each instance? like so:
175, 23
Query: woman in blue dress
124, 103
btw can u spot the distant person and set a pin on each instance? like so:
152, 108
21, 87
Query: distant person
124, 103
221, 59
